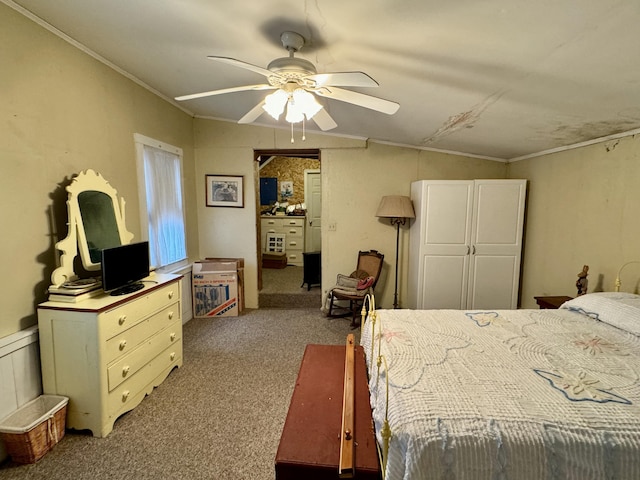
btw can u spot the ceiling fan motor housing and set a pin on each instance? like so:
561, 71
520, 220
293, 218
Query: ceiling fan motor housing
290, 68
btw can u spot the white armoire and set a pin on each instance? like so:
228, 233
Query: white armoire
465, 244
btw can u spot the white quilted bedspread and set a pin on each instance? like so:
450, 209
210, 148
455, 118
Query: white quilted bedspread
518, 394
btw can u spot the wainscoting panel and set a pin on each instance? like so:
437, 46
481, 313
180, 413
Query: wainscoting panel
20, 377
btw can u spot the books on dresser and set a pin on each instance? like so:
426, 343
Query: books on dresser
77, 291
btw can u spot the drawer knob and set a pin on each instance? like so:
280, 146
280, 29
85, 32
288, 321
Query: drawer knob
125, 370
172, 336
123, 344
170, 295
172, 356
122, 319
125, 395
170, 315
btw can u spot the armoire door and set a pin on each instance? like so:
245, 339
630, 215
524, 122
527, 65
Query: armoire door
440, 237
496, 244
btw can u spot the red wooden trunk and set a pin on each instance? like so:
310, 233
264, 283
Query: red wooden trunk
310, 443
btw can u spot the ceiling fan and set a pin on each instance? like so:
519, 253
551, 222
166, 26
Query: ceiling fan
296, 82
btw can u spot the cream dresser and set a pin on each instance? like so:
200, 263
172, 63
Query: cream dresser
293, 228
106, 353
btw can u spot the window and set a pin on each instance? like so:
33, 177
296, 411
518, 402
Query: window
161, 201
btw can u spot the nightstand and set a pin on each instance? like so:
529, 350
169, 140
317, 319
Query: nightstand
551, 302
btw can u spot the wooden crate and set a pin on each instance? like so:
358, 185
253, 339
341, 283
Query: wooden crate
274, 260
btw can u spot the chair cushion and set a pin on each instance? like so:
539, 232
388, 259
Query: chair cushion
338, 292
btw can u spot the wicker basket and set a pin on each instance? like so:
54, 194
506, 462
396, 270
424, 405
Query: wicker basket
32, 430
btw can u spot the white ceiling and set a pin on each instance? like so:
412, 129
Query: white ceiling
495, 78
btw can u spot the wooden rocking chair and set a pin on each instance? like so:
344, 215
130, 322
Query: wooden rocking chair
369, 266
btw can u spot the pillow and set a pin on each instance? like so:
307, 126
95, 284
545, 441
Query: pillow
620, 309
344, 281
365, 283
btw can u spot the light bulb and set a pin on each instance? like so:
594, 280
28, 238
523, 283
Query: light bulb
275, 102
294, 112
306, 102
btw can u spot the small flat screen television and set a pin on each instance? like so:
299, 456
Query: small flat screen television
124, 266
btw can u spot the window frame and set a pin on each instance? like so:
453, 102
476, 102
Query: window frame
140, 142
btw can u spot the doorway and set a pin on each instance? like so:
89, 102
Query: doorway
289, 189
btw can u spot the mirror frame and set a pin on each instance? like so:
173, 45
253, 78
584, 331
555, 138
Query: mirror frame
76, 239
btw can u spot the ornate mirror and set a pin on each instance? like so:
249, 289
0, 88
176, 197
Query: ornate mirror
96, 221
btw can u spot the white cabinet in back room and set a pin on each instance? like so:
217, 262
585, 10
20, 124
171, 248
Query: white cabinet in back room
466, 244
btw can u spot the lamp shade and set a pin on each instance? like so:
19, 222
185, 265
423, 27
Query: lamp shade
395, 206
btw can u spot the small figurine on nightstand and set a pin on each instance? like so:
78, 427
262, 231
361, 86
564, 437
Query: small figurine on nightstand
582, 283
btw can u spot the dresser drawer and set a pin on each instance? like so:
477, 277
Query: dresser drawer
127, 394
292, 222
125, 316
293, 232
294, 258
293, 244
129, 364
128, 340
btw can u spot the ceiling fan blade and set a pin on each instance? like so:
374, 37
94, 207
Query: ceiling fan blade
324, 120
343, 79
225, 90
253, 114
366, 101
241, 64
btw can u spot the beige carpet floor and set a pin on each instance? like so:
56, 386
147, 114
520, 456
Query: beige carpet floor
282, 288
219, 416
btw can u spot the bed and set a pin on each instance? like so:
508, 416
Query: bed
513, 394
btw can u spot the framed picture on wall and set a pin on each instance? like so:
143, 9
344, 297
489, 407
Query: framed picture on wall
225, 191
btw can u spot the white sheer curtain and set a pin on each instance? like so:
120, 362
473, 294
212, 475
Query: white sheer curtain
163, 187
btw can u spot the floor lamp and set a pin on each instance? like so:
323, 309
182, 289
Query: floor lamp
397, 208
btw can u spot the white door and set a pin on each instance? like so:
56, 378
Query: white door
445, 229
313, 199
496, 244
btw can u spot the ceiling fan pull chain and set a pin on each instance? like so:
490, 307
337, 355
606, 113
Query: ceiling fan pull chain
303, 136
292, 133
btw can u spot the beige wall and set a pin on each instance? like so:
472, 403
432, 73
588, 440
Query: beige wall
62, 112
355, 176
225, 148
583, 208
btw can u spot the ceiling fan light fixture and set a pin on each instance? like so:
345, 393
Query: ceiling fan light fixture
299, 104
275, 102
306, 102
294, 113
